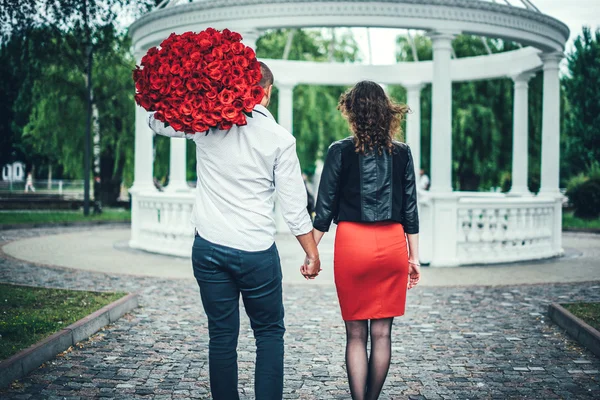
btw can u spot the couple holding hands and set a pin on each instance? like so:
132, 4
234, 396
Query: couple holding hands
367, 187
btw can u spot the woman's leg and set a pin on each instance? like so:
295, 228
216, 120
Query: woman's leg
356, 357
381, 353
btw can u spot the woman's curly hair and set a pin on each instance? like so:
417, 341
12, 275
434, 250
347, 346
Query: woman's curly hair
373, 118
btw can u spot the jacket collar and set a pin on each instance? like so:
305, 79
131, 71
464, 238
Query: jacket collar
259, 108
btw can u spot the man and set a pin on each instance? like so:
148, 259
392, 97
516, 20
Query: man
234, 252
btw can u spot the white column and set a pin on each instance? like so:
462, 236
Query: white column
551, 124
441, 113
143, 153
286, 106
413, 123
520, 134
177, 166
143, 166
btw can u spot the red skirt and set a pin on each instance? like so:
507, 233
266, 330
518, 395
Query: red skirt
371, 269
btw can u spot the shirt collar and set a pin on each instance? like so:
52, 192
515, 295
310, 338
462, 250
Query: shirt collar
262, 109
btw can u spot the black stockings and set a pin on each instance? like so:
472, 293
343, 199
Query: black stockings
366, 377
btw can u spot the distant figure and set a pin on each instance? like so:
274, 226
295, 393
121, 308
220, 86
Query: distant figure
423, 180
29, 183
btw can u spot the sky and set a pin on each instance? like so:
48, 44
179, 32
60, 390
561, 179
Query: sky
574, 13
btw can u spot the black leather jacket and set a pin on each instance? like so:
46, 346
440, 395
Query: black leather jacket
367, 188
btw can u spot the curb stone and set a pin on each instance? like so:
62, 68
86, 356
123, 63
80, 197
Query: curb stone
27, 360
587, 336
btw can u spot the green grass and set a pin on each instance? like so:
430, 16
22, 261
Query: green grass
570, 221
54, 217
588, 312
28, 315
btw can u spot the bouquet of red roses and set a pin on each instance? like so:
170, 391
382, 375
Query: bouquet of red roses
196, 81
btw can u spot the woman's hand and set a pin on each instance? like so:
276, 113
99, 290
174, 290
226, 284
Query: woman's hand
414, 273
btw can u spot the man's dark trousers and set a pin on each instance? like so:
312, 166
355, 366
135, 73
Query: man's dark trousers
222, 274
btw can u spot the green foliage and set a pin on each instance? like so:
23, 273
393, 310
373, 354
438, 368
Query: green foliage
585, 198
582, 86
49, 217
588, 312
28, 314
569, 221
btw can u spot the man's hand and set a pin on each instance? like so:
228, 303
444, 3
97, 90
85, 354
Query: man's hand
311, 267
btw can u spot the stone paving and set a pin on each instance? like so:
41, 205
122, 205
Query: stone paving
454, 343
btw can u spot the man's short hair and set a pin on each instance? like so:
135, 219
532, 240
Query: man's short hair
267, 76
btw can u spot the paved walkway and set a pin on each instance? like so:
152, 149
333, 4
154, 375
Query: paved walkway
106, 250
476, 342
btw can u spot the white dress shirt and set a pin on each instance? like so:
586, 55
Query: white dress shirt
238, 173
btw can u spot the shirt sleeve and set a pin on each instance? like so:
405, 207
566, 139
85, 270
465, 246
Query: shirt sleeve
159, 128
329, 189
409, 204
291, 191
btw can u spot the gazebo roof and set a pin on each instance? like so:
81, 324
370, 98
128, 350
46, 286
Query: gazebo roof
517, 20
170, 3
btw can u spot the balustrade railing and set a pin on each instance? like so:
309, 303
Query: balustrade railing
504, 230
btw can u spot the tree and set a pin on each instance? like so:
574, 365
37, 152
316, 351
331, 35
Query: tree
582, 88
57, 121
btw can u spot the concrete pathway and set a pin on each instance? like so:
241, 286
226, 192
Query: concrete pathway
106, 250
475, 342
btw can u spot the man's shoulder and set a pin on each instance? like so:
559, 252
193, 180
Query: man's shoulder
267, 126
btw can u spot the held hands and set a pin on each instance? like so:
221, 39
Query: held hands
414, 273
311, 267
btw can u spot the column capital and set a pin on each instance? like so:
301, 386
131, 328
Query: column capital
413, 86
522, 76
285, 85
442, 39
552, 60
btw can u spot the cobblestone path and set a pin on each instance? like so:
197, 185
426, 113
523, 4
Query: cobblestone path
453, 343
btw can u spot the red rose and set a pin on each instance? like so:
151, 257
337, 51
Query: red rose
212, 94
226, 125
238, 104
249, 53
177, 124
176, 82
249, 104
200, 127
192, 85
229, 113
176, 69
226, 97
215, 74
186, 109
237, 48
240, 119
257, 93
241, 61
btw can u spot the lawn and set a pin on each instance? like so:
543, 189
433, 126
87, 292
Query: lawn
54, 217
28, 315
588, 312
570, 221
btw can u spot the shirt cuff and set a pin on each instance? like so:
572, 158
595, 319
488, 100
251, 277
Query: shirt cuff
303, 228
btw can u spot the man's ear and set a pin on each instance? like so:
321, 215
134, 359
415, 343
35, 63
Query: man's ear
269, 91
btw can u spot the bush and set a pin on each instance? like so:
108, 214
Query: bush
584, 195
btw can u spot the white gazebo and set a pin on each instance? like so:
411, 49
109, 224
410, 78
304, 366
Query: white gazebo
457, 228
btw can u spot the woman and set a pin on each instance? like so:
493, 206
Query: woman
368, 188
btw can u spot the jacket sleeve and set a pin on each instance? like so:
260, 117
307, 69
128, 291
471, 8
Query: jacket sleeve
329, 190
409, 198
159, 128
